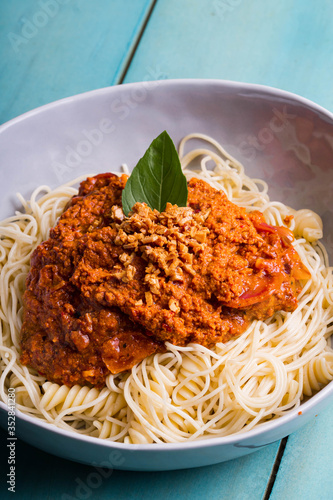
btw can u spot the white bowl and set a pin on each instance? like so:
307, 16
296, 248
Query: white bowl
280, 137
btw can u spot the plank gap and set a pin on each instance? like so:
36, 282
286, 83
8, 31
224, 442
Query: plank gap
275, 469
136, 44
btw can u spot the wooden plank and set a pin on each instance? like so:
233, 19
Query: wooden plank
56, 48
77, 50
52, 477
283, 44
306, 467
273, 43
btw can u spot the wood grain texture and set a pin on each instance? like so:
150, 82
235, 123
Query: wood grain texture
85, 45
50, 477
50, 49
306, 467
283, 44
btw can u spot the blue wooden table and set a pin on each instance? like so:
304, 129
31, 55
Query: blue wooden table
51, 49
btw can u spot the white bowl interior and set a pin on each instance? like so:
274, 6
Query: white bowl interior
282, 138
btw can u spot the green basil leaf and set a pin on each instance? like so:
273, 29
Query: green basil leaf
157, 178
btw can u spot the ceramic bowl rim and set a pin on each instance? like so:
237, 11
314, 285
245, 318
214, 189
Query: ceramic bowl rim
261, 430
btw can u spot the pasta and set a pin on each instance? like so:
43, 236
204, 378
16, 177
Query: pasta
187, 392
318, 372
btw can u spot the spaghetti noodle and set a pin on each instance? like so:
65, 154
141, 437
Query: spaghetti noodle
187, 392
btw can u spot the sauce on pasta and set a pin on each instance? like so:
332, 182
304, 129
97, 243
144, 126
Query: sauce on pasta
190, 392
105, 291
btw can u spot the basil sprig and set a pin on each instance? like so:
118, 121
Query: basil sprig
157, 178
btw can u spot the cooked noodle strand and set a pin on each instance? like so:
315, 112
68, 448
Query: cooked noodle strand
187, 392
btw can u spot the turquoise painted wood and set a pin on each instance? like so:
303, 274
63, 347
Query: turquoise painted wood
283, 44
82, 45
306, 470
286, 44
49, 477
51, 49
